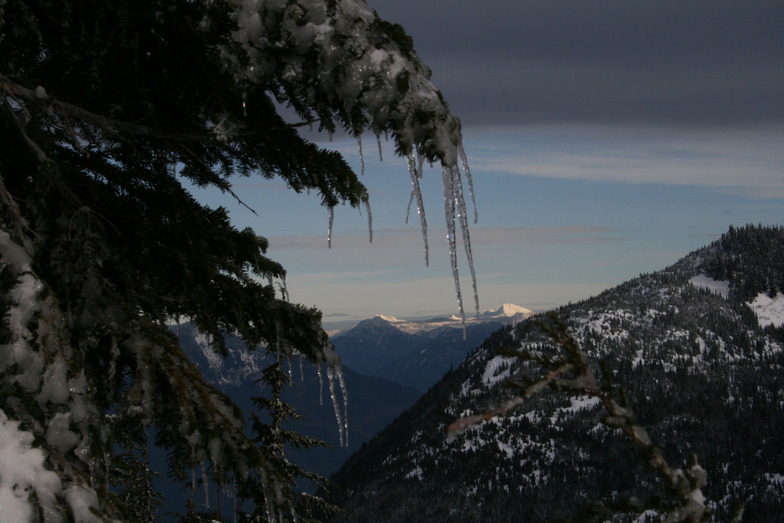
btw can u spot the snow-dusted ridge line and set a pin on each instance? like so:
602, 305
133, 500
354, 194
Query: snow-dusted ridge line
505, 313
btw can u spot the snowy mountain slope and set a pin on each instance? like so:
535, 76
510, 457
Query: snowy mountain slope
374, 343
704, 374
443, 350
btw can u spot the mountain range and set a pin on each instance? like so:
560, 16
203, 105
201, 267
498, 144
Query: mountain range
418, 352
696, 348
387, 364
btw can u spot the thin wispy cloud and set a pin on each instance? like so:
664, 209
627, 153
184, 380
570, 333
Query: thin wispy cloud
556, 235
485, 236
746, 161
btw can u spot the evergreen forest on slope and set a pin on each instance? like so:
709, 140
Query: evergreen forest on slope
702, 375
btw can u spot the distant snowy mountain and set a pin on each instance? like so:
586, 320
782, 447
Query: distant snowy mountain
508, 310
700, 348
418, 352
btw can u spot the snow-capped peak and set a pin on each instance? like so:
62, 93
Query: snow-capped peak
508, 310
390, 319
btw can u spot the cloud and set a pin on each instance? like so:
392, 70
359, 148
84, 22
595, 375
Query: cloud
747, 162
349, 242
355, 297
696, 63
556, 235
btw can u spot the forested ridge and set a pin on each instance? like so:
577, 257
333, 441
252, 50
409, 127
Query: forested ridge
701, 373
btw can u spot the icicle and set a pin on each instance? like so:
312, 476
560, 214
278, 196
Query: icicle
284, 288
329, 226
449, 213
107, 459
344, 391
469, 179
370, 217
361, 156
206, 482
321, 384
338, 416
416, 173
244, 106
408, 208
234, 495
301, 369
463, 216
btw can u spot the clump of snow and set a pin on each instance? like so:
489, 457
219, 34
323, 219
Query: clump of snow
580, 403
80, 499
497, 369
22, 474
770, 311
701, 281
417, 473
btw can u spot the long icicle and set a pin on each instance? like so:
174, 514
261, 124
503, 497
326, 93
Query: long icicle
321, 384
344, 392
462, 214
408, 207
366, 199
416, 173
329, 226
469, 179
361, 155
206, 481
335, 406
449, 213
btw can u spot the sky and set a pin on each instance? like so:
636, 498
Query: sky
605, 138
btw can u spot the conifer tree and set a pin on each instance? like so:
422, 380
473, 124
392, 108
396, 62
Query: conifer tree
108, 112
